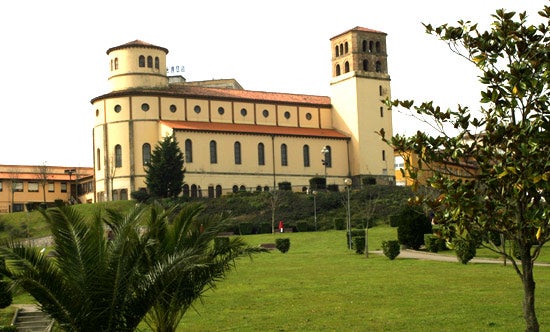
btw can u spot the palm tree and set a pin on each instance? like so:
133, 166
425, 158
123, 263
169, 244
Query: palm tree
183, 229
100, 283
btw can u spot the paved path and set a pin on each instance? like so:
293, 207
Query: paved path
416, 254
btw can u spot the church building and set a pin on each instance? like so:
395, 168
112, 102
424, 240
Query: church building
235, 139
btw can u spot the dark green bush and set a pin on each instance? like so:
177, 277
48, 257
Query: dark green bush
301, 226
369, 181
6, 297
412, 226
265, 228
434, 243
339, 223
394, 221
317, 183
282, 244
465, 250
359, 244
140, 195
391, 249
8, 328
245, 228
333, 187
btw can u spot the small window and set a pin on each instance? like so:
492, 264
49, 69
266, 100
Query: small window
51, 187
237, 152
210, 191
63, 187
98, 159
380, 90
346, 48
96, 113
146, 153
116, 63
118, 155
145, 107
341, 49
371, 44
284, 155
365, 45
157, 63
185, 190
287, 115
381, 112
306, 155
383, 155
17, 186
221, 110
261, 154
235, 189
150, 62
141, 61
213, 152
218, 190
337, 70
173, 108
265, 113
118, 108
336, 51
1, 186
378, 47
308, 116
188, 151
197, 109
346, 67
366, 65
378, 67
32, 187
244, 111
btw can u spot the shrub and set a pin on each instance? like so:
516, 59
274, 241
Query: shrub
317, 183
8, 328
333, 187
465, 250
6, 297
301, 226
369, 181
394, 221
339, 223
265, 228
282, 244
359, 244
412, 226
391, 249
245, 228
141, 196
434, 243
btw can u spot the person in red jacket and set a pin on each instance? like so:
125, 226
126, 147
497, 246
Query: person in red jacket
281, 226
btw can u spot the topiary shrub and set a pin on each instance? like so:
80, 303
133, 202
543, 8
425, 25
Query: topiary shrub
282, 244
434, 243
358, 244
391, 249
465, 250
412, 226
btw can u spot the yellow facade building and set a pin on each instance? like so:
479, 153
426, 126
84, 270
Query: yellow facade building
236, 139
23, 187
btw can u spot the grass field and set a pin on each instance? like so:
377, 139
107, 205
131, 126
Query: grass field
319, 285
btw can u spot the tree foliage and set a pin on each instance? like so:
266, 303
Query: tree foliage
165, 171
503, 149
97, 282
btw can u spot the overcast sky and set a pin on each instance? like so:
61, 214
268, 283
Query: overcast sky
54, 56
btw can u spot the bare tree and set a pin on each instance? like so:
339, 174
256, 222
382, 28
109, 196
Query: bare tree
371, 204
274, 201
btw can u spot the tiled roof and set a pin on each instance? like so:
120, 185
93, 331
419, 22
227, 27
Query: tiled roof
358, 29
189, 91
136, 43
254, 129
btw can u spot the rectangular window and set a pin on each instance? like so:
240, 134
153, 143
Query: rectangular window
383, 155
1, 186
18, 207
17, 186
51, 187
381, 112
63, 187
33, 187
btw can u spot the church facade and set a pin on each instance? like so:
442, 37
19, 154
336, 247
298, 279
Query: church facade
235, 139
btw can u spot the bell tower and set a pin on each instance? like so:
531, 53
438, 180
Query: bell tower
359, 85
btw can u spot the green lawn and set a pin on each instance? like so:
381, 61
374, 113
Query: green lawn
321, 286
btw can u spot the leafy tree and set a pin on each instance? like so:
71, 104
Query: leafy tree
101, 283
506, 187
412, 225
165, 172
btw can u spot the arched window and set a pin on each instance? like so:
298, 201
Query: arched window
346, 48
116, 63
123, 194
188, 151
242, 188
218, 190
266, 188
378, 48
306, 155
365, 45
258, 188
213, 152
328, 156
371, 44
185, 190
378, 66
235, 188
336, 51
346, 67
157, 63
366, 65
237, 152
284, 155
210, 191
261, 154
146, 153
98, 159
141, 61
194, 190
337, 70
150, 61
115, 195
341, 49
118, 155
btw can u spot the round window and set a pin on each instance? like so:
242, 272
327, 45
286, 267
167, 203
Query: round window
265, 113
308, 116
197, 109
173, 108
243, 112
287, 115
118, 108
145, 107
221, 110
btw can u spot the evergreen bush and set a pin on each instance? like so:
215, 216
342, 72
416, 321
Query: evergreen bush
282, 244
391, 249
412, 226
301, 226
465, 250
434, 243
358, 244
245, 228
339, 224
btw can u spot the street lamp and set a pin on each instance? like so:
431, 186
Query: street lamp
325, 152
348, 182
70, 172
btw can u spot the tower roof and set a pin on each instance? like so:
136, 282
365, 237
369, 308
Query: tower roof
135, 44
360, 29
